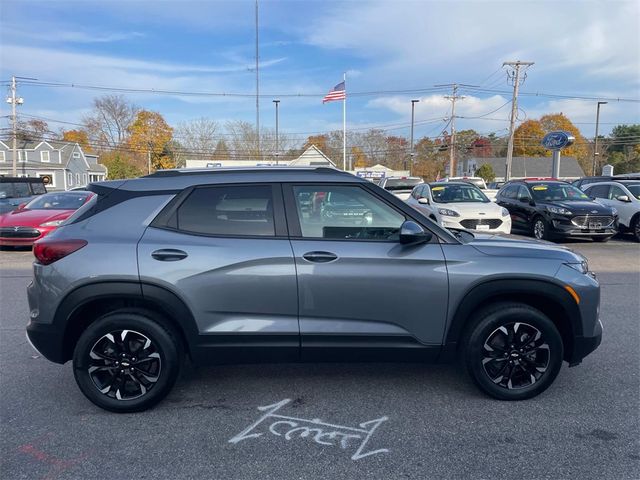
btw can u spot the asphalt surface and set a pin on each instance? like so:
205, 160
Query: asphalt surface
437, 424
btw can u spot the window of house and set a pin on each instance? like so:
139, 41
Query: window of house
76, 154
22, 156
2, 156
44, 156
345, 212
78, 178
84, 178
70, 178
232, 210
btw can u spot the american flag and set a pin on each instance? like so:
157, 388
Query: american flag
336, 93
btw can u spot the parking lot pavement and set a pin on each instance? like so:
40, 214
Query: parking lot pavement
377, 420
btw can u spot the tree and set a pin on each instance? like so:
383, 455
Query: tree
481, 147
33, 129
358, 158
77, 136
623, 147
486, 172
198, 136
320, 141
108, 123
527, 138
150, 135
221, 152
119, 165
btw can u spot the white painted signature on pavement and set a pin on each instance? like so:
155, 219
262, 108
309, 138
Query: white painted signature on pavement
320, 432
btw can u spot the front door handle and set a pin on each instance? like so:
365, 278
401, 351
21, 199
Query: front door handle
169, 255
320, 257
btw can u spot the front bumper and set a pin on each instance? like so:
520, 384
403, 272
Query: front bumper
583, 346
562, 226
455, 222
25, 241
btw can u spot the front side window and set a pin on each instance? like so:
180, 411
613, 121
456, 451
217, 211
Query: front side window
616, 191
634, 188
228, 210
523, 193
344, 212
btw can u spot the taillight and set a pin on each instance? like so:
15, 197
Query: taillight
48, 251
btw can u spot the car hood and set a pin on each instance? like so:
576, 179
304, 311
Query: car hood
514, 246
32, 218
473, 208
582, 207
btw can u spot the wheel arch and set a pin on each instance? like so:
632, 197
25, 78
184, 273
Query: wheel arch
85, 304
550, 298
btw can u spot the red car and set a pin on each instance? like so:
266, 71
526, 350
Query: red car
39, 217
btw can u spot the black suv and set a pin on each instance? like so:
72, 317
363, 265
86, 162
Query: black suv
552, 209
15, 191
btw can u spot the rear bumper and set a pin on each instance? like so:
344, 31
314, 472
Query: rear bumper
46, 340
583, 346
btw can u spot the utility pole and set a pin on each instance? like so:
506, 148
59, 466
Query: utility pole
413, 109
14, 100
595, 146
514, 111
277, 102
257, 86
452, 147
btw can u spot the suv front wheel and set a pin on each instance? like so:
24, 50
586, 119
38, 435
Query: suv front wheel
512, 351
126, 361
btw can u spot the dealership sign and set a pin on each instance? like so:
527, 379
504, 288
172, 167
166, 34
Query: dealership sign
557, 140
375, 174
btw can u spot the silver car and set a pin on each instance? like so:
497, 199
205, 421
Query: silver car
289, 264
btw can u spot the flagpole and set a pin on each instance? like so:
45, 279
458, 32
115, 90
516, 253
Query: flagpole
344, 124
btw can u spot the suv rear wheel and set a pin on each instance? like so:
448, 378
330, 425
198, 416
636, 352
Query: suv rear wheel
513, 351
126, 362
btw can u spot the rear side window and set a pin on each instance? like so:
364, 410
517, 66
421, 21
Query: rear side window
228, 210
38, 188
599, 191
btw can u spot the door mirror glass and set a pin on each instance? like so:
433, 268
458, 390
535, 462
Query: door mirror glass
623, 198
412, 233
423, 201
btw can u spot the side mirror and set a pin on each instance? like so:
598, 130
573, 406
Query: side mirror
524, 199
22, 206
411, 233
623, 198
423, 201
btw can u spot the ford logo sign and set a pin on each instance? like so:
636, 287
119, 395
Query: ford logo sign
557, 140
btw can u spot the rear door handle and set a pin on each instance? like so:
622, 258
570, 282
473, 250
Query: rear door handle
169, 255
320, 257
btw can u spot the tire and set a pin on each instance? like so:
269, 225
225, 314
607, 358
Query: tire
540, 228
139, 344
510, 374
635, 228
601, 239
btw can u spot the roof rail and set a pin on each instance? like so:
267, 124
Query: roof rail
221, 170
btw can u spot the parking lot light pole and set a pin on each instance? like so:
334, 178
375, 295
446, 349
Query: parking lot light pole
595, 144
277, 102
413, 109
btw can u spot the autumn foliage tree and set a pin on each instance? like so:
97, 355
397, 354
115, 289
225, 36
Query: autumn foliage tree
150, 134
78, 136
527, 138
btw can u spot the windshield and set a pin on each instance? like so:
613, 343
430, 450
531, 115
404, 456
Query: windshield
634, 189
458, 194
551, 192
59, 201
402, 183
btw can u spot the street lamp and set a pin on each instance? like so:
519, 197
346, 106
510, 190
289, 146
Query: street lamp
413, 109
277, 102
595, 145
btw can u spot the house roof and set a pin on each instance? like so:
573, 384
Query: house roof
66, 152
312, 156
532, 166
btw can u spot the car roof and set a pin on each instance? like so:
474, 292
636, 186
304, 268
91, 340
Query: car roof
178, 179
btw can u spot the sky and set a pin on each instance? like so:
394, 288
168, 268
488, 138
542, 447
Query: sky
580, 49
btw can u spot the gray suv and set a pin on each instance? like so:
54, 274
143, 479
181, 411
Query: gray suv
254, 265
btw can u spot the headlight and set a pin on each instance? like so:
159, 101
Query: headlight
505, 212
448, 212
53, 223
614, 212
582, 267
558, 210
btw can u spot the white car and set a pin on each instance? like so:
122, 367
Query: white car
460, 205
624, 196
478, 182
400, 186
